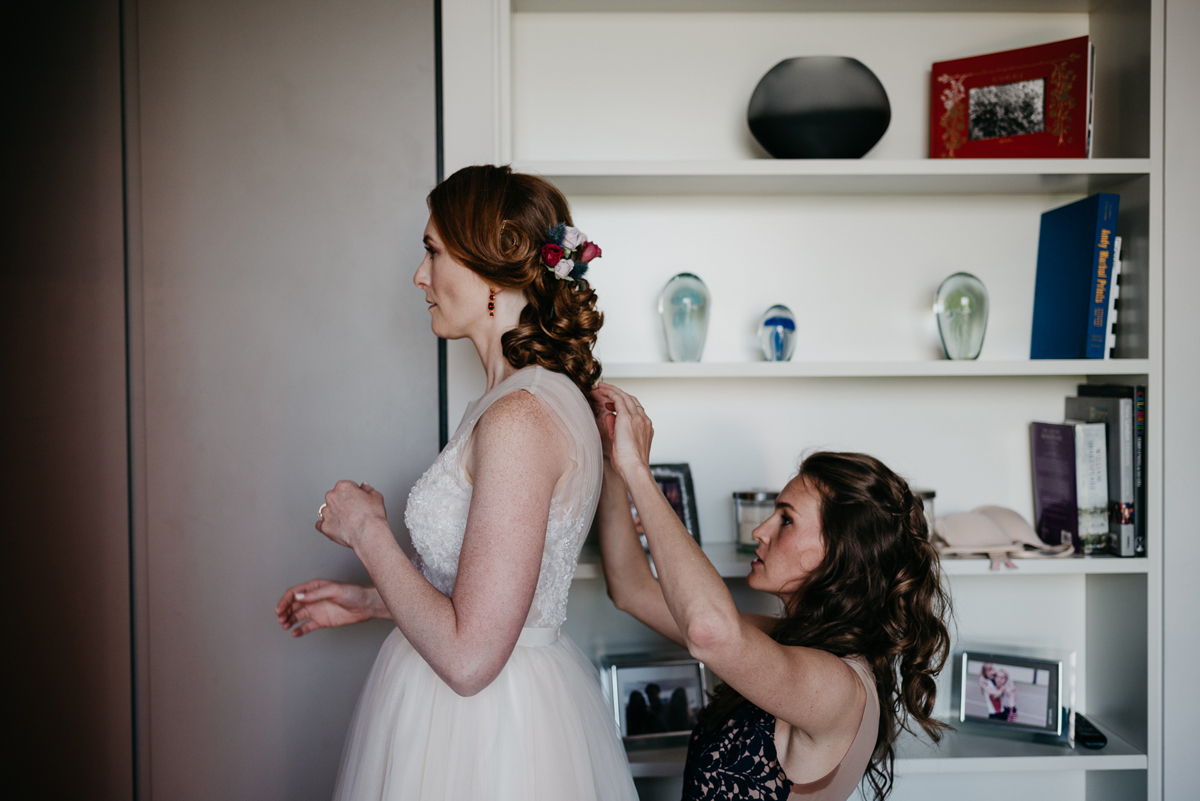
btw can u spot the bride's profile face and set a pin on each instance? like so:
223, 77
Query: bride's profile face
457, 297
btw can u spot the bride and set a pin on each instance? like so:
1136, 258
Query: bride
476, 694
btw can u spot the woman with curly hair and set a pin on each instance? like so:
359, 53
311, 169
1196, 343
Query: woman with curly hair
812, 700
476, 694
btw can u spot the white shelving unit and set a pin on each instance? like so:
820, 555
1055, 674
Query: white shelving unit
732, 563
1081, 368
965, 752
837, 177
640, 120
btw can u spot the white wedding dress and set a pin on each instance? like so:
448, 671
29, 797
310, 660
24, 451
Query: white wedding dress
541, 731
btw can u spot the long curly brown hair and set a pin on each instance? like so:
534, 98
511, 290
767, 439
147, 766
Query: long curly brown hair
494, 222
877, 593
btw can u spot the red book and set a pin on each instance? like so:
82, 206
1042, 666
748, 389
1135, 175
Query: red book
1034, 102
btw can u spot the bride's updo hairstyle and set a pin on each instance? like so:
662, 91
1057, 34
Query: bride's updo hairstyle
877, 593
494, 222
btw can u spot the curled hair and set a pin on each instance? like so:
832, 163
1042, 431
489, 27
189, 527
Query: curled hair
494, 222
877, 593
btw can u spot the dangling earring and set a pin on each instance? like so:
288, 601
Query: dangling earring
492, 303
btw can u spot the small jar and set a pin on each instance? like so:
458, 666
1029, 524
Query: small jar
750, 510
926, 496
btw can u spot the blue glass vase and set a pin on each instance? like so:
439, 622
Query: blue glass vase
777, 334
684, 305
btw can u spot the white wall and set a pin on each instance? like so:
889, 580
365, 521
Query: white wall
1181, 407
285, 152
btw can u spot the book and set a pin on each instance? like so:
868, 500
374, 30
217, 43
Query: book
1071, 291
1032, 102
1070, 484
1137, 393
1114, 293
1117, 415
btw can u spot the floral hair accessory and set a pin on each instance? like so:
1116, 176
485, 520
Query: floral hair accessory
567, 252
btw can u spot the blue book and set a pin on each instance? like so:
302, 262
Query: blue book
1070, 300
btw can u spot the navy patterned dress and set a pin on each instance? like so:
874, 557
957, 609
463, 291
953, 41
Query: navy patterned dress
737, 760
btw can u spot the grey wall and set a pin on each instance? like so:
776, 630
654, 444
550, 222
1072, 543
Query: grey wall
286, 147
64, 549
1181, 404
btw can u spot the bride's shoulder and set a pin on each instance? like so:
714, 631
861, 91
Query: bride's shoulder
518, 417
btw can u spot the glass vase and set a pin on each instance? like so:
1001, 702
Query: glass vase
683, 305
777, 334
962, 311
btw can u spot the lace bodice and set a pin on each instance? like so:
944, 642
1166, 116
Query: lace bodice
739, 760
438, 503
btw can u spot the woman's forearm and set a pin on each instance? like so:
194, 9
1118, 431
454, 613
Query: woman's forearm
424, 615
631, 585
696, 595
626, 569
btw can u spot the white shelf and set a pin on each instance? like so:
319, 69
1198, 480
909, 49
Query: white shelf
802, 6
838, 176
732, 563
1032, 367
959, 752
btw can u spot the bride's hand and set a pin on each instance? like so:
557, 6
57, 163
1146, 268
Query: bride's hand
322, 603
349, 509
629, 430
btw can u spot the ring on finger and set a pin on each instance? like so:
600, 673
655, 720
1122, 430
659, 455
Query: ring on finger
321, 512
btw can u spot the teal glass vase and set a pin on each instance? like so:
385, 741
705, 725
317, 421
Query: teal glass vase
683, 306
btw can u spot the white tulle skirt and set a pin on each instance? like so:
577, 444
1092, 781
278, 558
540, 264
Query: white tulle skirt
539, 732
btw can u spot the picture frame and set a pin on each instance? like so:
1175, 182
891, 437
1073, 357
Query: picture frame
655, 697
1032, 102
1017, 692
675, 483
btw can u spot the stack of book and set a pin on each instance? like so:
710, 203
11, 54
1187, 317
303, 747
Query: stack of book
1089, 472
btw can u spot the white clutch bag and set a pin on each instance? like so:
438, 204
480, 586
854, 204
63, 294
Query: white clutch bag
996, 532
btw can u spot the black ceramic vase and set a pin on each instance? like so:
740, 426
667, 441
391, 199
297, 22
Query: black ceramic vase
819, 107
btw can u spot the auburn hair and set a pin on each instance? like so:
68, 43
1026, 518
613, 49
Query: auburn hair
494, 222
877, 593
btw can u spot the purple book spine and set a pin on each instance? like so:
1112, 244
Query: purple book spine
1054, 493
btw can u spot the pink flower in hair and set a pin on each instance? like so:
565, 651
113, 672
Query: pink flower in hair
564, 267
589, 251
572, 238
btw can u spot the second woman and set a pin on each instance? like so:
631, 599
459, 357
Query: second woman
812, 700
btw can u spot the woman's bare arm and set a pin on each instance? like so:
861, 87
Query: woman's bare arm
809, 689
631, 585
517, 457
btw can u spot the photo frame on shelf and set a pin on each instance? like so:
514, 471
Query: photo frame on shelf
1032, 102
1018, 692
675, 483
655, 696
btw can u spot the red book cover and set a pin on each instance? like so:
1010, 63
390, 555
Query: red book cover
1026, 103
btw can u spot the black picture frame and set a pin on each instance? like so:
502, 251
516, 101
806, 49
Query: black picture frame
1036, 686
675, 483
